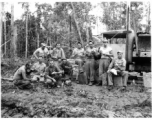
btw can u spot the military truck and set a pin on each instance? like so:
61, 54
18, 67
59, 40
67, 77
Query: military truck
136, 48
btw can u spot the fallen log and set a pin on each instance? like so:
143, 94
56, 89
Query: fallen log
7, 79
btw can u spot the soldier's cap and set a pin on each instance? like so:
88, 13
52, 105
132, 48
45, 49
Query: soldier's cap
105, 40
50, 60
43, 44
119, 51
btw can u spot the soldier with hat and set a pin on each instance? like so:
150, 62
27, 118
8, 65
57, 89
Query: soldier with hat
41, 52
117, 67
106, 55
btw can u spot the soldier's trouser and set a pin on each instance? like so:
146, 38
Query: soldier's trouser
57, 78
79, 62
68, 72
23, 84
89, 69
124, 75
96, 69
103, 68
50, 82
56, 63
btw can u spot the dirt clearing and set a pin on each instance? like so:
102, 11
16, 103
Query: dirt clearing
74, 101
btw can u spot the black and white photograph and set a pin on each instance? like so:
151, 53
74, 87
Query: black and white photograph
75, 59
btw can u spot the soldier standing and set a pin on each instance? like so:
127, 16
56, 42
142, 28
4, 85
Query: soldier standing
106, 56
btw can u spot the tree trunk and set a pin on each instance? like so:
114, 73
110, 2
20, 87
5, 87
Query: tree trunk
90, 33
87, 34
47, 41
37, 35
3, 52
12, 54
0, 25
149, 25
15, 40
5, 35
69, 31
26, 50
78, 29
38, 41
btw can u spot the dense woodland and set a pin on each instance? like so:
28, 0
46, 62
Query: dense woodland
66, 23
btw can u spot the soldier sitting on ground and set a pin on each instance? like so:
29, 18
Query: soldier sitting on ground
53, 75
39, 68
22, 77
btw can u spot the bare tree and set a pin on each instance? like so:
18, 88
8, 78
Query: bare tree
26, 51
12, 33
37, 35
4, 15
0, 24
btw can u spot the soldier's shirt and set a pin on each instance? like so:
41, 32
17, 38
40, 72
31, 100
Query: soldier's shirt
66, 64
40, 68
49, 70
58, 53
78, 52
119, 62
19, 73
50, 52
42, 53
89, 51
105, 51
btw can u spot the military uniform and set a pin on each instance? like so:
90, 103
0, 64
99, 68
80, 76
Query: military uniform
40, 69
90, 63
104, 64
119, 65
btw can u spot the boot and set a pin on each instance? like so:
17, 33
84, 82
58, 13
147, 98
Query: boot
98, 84
90, 84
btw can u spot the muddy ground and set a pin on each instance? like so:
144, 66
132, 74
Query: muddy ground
73, 101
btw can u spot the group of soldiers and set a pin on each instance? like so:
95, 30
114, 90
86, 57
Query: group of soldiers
50, 66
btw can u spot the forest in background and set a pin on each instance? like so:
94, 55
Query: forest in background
65, 23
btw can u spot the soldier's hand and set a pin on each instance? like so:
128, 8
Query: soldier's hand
54, 73
53, 80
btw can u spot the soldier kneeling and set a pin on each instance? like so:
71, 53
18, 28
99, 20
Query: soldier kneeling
22, 77
53, 75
